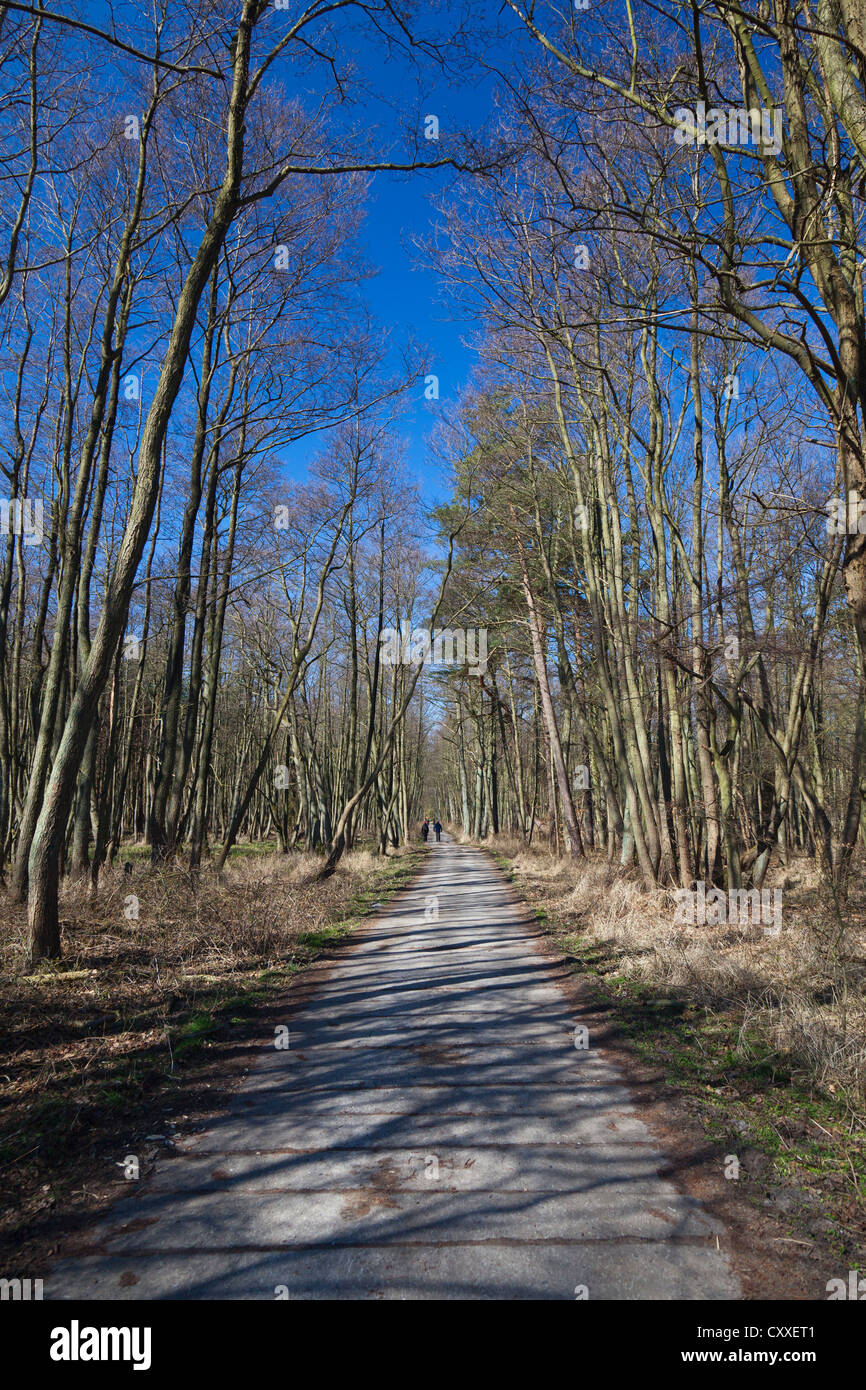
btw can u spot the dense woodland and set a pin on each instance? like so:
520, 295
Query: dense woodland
656, 470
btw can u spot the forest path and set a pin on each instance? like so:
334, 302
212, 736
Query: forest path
432, 1131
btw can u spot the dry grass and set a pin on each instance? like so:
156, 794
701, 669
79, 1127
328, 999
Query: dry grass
253, 913
802, 991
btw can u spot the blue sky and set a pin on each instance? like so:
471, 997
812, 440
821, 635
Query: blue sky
408, 297
405, 296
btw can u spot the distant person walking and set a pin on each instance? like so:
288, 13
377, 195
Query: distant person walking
438, 828
425, 830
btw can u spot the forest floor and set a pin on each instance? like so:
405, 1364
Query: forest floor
148, 1022
761, 1039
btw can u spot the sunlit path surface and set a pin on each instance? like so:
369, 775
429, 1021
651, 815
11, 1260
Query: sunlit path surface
432, 1131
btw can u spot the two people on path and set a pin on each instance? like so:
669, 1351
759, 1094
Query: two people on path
425, 830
